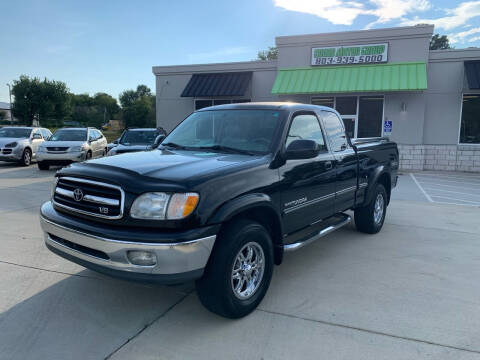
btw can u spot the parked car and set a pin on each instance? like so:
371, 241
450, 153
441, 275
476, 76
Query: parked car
69, 145
227, 193
133, 140
20, 144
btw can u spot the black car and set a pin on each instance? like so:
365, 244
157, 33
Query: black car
136, 139
226, 194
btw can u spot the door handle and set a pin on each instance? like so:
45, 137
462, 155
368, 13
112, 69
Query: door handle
328, 165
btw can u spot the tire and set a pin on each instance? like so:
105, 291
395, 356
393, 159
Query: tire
216, 288
105, 152
42, 165
88, 156
26, 157
367, 219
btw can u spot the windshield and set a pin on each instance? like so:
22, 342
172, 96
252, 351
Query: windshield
15, 133
139, 137
244, 130
69, 135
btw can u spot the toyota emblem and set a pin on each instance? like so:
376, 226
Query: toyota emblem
78, 194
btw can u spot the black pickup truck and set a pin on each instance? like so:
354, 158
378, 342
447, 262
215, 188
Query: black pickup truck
227, 193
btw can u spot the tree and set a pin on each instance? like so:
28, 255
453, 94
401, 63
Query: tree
270, 54
108, 104
138, 107
439, 42
40, 100
3, 115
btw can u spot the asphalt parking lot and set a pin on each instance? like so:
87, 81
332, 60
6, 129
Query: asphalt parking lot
409, 292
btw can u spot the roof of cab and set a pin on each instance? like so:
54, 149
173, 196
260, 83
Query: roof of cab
290, 106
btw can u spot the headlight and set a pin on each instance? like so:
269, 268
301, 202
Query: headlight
160, 206
11, 145
76, 149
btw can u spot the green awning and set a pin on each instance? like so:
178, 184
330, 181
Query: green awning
352, 78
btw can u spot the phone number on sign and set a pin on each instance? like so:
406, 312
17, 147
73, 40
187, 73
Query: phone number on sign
362, 59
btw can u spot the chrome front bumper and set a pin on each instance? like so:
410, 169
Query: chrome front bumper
172, 258
62, 156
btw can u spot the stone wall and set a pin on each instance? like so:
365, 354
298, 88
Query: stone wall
440, 157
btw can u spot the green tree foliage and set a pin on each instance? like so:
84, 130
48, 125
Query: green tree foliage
270, 54
94, 110
138, 107
439, 42
40, 100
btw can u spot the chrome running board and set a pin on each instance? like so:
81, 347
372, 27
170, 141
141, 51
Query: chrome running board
331, 228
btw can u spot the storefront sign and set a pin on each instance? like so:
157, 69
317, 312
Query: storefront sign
357, 54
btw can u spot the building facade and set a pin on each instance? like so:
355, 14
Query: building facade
383, 82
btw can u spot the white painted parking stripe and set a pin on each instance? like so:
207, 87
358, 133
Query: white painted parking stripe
449, 181
421, 188
464, 176
454, 203
456, 199
454, 186
450, 191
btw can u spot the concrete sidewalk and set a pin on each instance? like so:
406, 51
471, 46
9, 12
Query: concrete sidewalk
410, 291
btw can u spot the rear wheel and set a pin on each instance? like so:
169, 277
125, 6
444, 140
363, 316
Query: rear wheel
239, 271
26, 157
89, 155
369, 219
42, 165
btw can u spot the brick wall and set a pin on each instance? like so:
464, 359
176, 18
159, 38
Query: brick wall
440, 157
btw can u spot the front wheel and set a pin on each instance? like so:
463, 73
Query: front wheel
239, 270
369, 219
26, 157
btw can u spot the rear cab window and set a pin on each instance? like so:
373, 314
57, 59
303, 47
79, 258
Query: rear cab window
335, 131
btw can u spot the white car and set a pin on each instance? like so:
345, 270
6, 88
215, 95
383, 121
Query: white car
20, 144
69, 145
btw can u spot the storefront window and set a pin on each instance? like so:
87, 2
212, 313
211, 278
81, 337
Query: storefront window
370, 116
323, 101
346, 105
470, 126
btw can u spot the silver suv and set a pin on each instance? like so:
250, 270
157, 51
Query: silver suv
20, 144
69, 145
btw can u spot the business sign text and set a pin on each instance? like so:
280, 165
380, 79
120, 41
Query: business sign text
357, 54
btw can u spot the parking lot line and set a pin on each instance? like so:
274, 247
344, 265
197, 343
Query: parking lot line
454, 186
456, 199
464, 176
450, 181
421, 188
450, 191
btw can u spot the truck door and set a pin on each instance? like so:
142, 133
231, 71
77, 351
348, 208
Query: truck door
307, 185
345, 161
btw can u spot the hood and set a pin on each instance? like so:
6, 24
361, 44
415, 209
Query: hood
127, 148
5, 141
63, 143
176, 165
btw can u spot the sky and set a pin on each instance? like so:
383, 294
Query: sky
110, 46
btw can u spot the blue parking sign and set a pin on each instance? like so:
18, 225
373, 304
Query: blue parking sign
387, 127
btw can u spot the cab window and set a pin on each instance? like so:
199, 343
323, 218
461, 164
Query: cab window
306, 127
335, 131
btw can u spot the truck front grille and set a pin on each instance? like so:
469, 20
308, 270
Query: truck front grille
89, 197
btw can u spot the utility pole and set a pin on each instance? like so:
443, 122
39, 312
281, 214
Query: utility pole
11, 108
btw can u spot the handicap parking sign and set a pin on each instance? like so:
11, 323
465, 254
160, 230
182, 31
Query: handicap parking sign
387, 127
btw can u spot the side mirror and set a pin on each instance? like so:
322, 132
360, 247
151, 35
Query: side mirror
302, 149
36, 137
158, 141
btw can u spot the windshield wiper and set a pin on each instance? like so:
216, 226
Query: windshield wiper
226, 149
